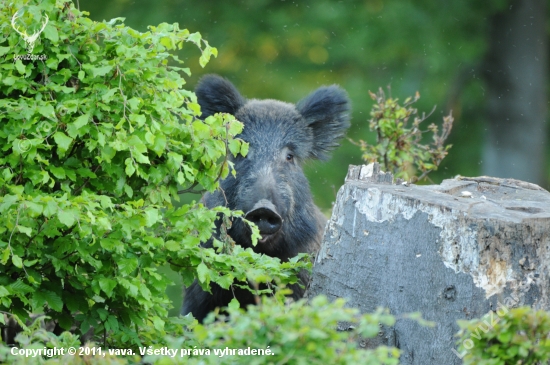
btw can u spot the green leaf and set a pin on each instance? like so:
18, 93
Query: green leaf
75, 303
201, 130
58, 172
107, 285
20, 287
137, 144
81, 121
130, 169
110, 244
505, 337
25, 230
128, 190
234, 147
17, 262
10, 80
158, 323
160, 144
132, 289
50, 32
195, 38
151, 217
47, 111
234, 304
50, 209
63, 142
244, 149
5, 255
225, 281
139, 157
20, 67
128, 265
67, 217
133, 103
203, 273
180, 178
100, 71
85, 172
172, 245
195, 108
139, 119
31, 263
8, 202
53, 300
174, 161
65, 321
112, 323
3, 291
206, 53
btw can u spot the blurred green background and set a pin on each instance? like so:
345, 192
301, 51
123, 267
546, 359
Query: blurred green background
285, 49
476, 58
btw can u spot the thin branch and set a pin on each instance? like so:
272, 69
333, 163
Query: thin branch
11, 235
183, 267
73, 148
191, 191
37, 233
226, 151
86, 182
224, 197
14, 227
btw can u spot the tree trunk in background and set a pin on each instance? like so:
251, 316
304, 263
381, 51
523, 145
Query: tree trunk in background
516, 71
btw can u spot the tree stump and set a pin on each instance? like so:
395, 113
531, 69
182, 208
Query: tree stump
452, 251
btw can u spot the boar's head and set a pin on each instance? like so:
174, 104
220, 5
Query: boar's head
270, 186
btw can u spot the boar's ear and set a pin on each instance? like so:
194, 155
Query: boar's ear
326, 112
217, 95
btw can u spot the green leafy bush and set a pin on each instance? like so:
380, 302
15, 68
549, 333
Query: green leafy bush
97, 136
277, 334
509, 337
398, 147
299, 333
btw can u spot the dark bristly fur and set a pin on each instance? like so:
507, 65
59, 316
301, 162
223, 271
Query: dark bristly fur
281, 136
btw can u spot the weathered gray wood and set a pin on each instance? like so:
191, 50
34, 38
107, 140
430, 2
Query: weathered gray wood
452, 251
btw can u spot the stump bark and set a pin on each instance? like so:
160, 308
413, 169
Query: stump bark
452, 251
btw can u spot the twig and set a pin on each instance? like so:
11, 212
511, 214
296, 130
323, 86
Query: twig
191, 191
86, 182
183, 267
11, 235
37, 233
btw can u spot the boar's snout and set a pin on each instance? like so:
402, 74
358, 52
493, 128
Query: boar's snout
264, 215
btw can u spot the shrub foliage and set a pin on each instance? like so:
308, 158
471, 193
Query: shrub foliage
269, 333
399, 147
96, 139
509, 337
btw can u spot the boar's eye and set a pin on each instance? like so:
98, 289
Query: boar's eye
288, 154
